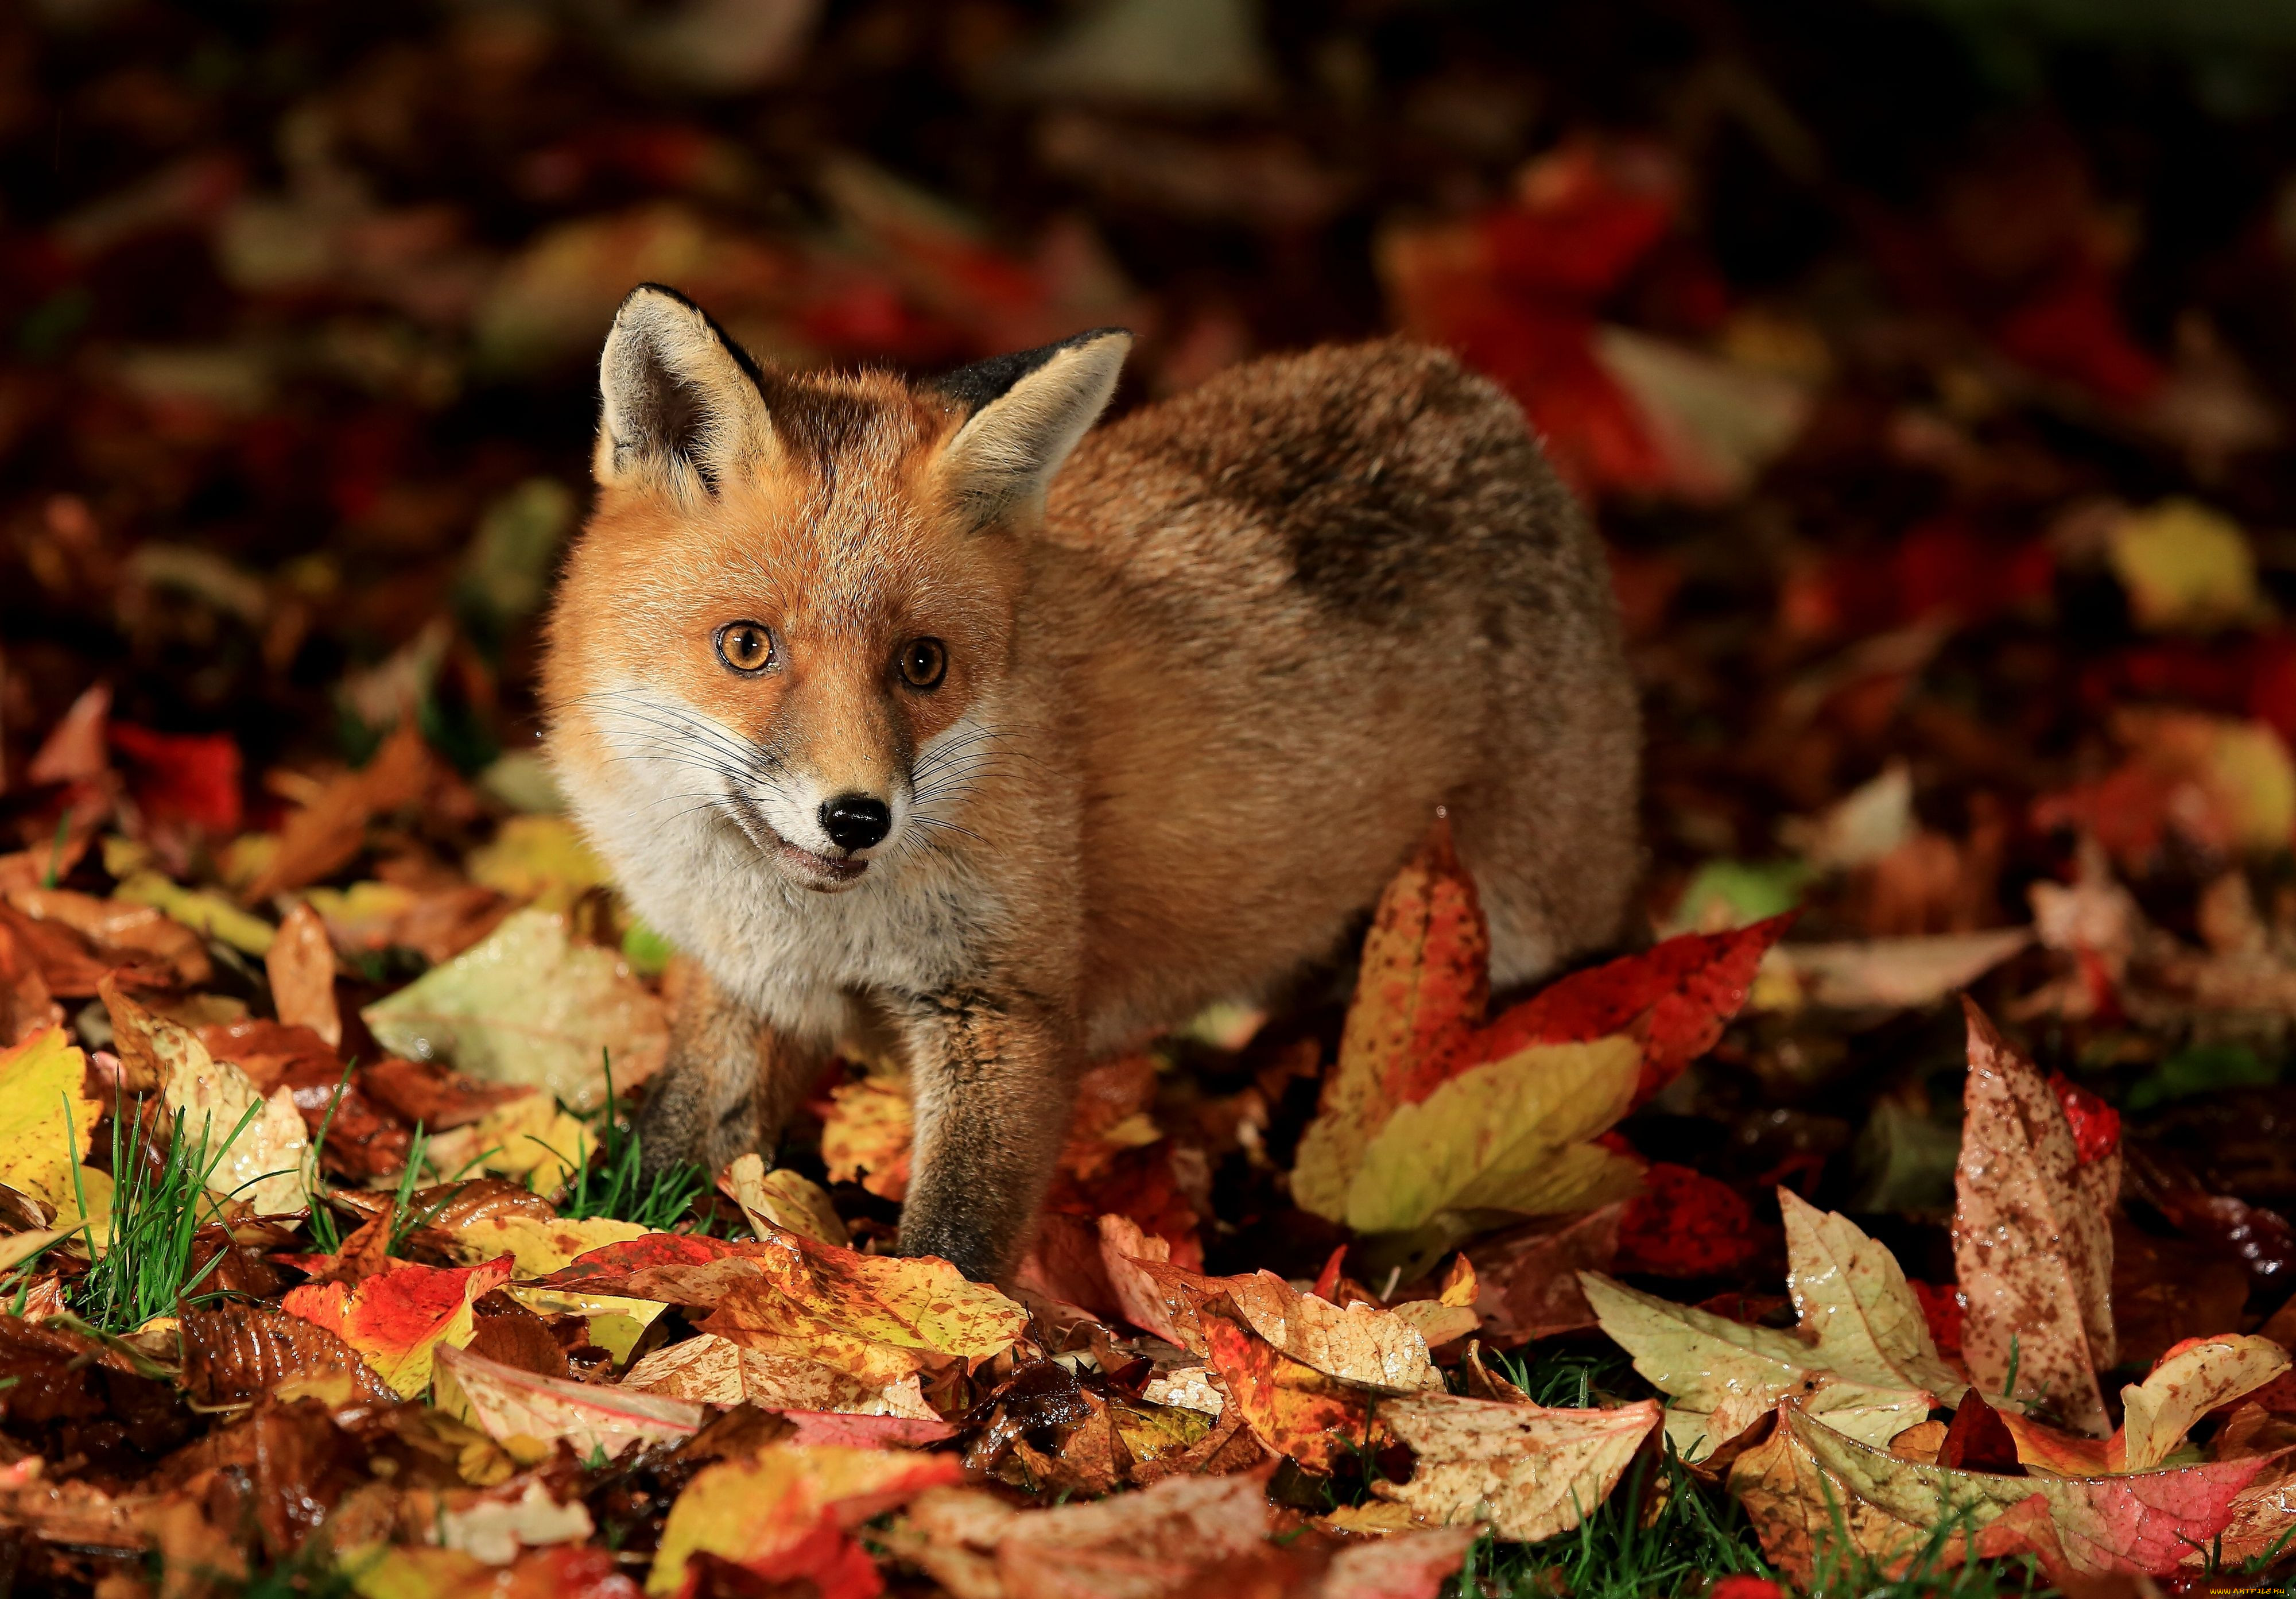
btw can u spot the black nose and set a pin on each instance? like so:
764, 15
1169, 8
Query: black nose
855, 821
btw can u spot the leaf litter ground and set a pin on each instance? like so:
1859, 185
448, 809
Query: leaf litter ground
1953, 558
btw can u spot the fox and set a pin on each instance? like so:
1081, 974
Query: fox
921, 708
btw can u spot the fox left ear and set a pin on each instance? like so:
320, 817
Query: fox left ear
682, 406
1028, 412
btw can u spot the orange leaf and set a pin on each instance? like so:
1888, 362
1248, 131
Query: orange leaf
301, 966
397, 1318
1291, 1406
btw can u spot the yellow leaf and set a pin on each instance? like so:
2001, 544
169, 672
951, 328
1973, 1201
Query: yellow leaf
2185, 569
1530, 1471
2186, 1386
540, 1247
868, 1133
208, 915
1854, 1302
527, 1137
529, 1005
537, 858
749, 1510
1504, 1136
46, 1118
782, 1198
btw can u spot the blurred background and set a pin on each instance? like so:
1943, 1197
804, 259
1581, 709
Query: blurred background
1881, 336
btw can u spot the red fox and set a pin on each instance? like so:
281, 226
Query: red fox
919, 706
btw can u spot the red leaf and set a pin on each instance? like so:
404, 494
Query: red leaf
1942, 1308
190, 777
1685, 1224
1688, 988
1978, 1441
2096, 1125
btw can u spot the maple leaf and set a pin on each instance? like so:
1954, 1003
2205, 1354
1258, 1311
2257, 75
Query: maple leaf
529, 1005
1529, 1470
46, 1118
397, 1318
1416, 1038
2032, 1237
505, 1402
1862, 1356
2191, 1380
762, 1511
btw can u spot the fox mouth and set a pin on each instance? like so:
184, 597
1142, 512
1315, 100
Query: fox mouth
823, 874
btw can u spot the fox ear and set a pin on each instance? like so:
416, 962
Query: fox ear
682, 406
1028, 411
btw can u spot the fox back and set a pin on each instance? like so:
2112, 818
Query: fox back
917, 706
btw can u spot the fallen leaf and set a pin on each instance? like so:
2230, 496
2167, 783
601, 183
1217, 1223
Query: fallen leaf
593, 1417
1904, 974
495, 1530
758, 1512
538, 1246
183, 777
46, 1118
539, 859
782, 1198
397, 1318
206, 913
1317, 1419
868, 1133
711, 1369
1862, 1358
1158, 1542
1798, 1512
529, 1138
1529, 1277
250, 1147
2032, 1242
326, 834
301, 966
527, 1005
1528, 1470
2185, 569
2188, 1382
236, 1353
1401, 1565
1685, 1224
1512, 1134
2145, 1521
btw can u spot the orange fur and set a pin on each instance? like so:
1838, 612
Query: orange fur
1201, 698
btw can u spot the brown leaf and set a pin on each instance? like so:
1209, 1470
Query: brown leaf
2032, 1239
327, 833
1529, 1276
1529, 1470
239, 1352
508, 1402
301, 966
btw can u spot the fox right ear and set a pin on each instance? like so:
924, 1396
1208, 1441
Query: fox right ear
682, 406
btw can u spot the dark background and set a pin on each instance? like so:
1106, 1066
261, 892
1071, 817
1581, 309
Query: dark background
294, 297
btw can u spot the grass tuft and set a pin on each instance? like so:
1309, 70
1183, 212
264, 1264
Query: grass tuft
610, 1183
157, 1206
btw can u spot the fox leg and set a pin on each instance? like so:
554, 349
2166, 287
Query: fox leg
995, 1083
730, 1083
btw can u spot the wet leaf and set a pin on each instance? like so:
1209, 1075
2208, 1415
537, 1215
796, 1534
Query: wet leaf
1291, 1407
2188, 1382
237, 1353
1530, 1471
712, 1369
2032, 1240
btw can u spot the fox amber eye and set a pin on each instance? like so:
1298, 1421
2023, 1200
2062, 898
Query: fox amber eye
746, 646
924, 662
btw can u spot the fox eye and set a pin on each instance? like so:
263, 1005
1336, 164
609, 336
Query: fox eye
924, 662
747, 647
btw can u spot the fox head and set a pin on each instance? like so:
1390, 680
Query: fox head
789, 620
